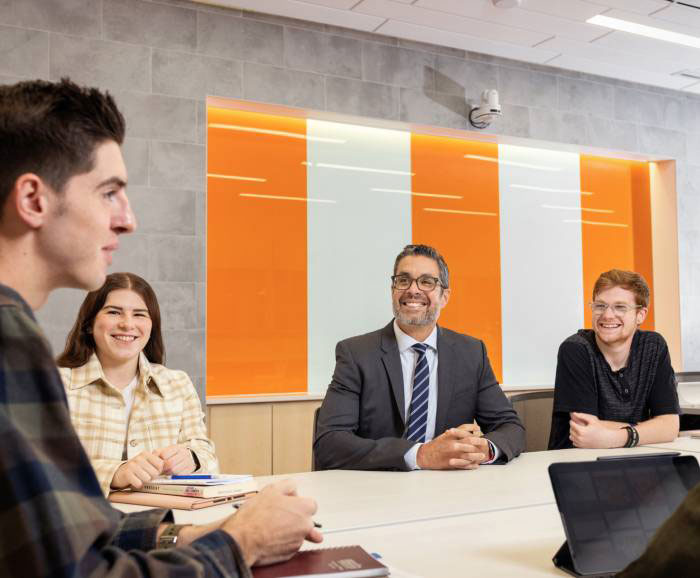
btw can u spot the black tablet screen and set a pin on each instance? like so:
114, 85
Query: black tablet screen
611, 509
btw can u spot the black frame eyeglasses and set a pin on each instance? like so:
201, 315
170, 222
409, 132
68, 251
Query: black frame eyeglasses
424, 282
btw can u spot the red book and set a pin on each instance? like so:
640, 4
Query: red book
346, 561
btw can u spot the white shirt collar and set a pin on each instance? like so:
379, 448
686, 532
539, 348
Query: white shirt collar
405, 341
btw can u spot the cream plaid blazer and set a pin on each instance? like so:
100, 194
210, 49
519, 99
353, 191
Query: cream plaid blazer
166, 411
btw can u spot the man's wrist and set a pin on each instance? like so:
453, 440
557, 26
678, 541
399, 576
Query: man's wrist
245, 545
411, 457
189, 534
621, 437
493, 452
169, 536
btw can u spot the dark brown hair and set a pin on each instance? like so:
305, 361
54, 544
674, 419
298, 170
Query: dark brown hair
52, 129
627, 280
80, 344
426, 251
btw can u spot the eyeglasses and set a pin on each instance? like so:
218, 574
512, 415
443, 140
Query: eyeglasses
424, 282
598, 307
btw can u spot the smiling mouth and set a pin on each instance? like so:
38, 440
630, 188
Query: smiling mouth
413, 304
125, 338
609, 325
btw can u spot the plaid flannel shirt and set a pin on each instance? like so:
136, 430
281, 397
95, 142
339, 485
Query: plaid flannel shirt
54, 520
166, 411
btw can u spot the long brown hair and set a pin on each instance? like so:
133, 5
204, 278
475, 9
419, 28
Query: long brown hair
80, 344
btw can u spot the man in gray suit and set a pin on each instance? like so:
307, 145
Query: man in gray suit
406, 396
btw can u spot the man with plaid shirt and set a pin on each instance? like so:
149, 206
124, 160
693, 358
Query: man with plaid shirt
62, 206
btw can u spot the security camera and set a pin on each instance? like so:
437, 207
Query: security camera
482, 115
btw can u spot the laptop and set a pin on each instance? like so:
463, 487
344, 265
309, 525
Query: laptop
611, 508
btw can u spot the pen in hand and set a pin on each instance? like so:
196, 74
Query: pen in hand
238, 505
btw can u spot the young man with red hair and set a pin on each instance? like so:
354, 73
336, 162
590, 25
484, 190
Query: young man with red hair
614, 385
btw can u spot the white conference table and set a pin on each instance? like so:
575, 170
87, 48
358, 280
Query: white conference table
689, 397
511, 543
351, 499
494, 521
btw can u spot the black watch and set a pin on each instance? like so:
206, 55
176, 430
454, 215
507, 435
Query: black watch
168, 539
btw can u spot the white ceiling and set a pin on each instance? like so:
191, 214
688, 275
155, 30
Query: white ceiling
552, 32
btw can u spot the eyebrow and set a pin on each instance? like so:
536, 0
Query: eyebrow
140, 310
121, 183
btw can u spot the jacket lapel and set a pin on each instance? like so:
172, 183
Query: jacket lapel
392, 363
447, 361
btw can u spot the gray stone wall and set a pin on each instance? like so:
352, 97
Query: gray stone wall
161, 58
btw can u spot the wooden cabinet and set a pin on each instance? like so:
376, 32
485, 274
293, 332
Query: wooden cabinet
263, 438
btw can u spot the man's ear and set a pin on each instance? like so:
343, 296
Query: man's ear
30, 199
642, 315
445, 296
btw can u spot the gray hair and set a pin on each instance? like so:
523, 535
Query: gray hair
430, 252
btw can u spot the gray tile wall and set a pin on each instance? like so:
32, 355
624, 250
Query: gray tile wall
162, 57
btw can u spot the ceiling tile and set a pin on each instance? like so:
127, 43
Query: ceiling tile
685, 56
304, 11
464, 42
598, 52
517, 18
337, 4
619, 72
571, 9
680, 15
543, 31
683, 28
638, 6
449, 22
695, 88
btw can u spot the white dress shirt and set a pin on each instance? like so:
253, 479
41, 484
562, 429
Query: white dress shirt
409, 358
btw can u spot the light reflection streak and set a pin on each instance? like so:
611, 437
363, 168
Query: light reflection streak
276, 132
236, 178
512, 163
597, 223
458, 212
283, 198
415, 194
609, 211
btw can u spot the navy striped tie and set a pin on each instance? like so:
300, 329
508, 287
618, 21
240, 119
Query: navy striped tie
418, 412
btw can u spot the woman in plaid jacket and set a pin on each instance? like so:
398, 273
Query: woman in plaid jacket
136, 418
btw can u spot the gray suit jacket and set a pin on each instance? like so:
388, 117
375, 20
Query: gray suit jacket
361, 423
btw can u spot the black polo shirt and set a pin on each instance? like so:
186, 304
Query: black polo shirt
585, 383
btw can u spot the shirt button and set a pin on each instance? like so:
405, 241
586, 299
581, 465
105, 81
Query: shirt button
133, 443
627, 391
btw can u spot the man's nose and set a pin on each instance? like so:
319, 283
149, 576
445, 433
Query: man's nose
124, 221
609, 313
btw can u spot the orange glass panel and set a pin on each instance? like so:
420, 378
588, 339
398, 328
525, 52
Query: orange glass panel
616, 222
256, 254
463, 225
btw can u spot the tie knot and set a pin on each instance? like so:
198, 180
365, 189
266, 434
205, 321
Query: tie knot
419, 348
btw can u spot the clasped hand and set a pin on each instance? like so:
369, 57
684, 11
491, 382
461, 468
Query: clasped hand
587, 431
458, 448
175, 459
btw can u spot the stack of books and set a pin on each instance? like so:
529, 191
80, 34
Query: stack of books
190, 492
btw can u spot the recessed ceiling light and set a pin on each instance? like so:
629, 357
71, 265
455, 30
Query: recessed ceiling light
506, 3
643, 30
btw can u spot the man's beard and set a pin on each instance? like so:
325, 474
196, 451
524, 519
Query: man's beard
430, 316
